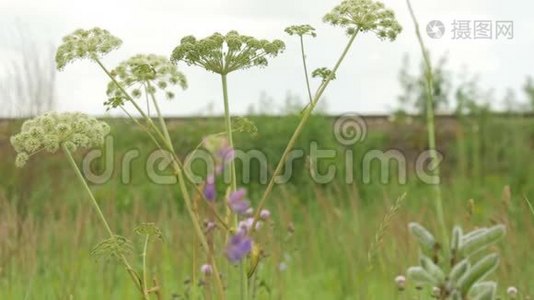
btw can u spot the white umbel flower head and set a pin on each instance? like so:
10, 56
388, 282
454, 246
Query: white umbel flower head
85, 44
365, 16
50, 131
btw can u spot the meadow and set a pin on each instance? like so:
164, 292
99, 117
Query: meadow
324, 241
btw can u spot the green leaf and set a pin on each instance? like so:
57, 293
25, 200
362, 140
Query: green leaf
483, 291
459, 270
423, 236
482, 240
480, 270
456, 240
432, 269
421, 277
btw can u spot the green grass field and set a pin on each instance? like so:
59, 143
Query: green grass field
325, 241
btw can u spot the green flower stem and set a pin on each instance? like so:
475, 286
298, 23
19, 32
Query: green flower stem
228, 128
162, 123
300, 127
130, 270
145, 279
431, 128
306, 75
233, 185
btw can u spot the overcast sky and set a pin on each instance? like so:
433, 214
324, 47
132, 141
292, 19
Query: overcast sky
367, 81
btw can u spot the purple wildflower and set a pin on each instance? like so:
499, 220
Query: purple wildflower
238, 246
209, 188
237, 201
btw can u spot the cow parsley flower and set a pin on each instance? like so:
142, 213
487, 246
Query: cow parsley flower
223, 54
301, 30
365, 15
144, 73
85, 44
51, 130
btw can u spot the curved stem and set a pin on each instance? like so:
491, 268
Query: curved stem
306, 75
124, 261
431, 131
307, 113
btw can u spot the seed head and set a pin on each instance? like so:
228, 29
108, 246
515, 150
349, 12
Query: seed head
85, 44
51, 130
365, 15
223, 54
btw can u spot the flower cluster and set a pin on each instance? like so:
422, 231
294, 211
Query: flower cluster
50, 131
144, 73
323, 73
240, 244
365, 15
301, 30
223, 54
85, 44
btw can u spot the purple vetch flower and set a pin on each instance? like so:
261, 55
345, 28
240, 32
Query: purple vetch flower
210, 191
206, 269
238, 246
237, 201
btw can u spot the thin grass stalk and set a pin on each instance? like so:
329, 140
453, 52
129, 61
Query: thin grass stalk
431, 130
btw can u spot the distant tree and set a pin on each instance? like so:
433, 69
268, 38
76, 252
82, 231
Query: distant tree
528, 88
27, 85
470, 98
413, 94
